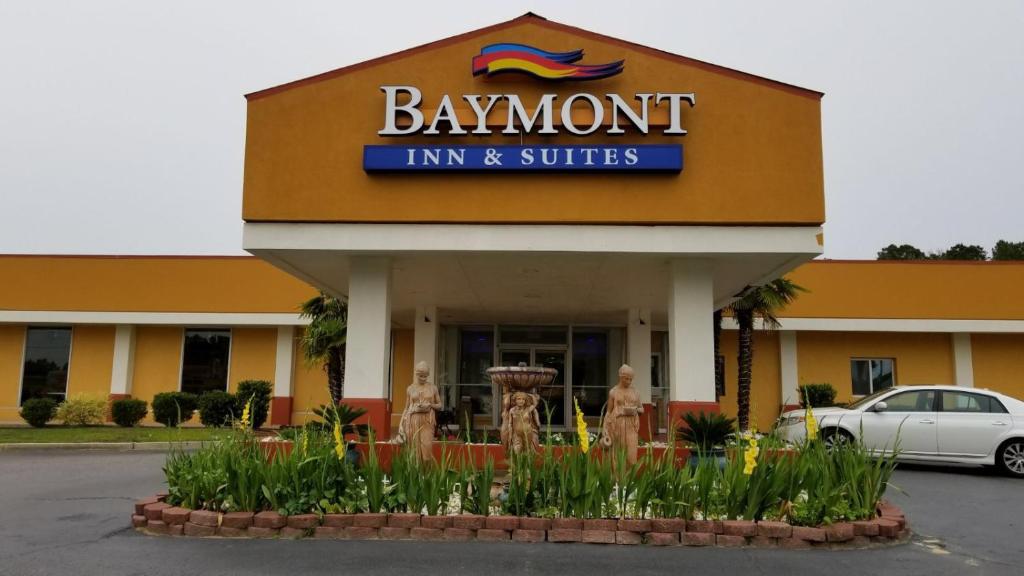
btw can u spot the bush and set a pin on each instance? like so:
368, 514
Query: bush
38, 411
259, 391
217, 408
820, 395
82, 410
127, 412
706, 431
173, 408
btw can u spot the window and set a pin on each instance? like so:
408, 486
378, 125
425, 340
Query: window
968, 402
915, 401
47, 355
476, 355
871, 375
204, 362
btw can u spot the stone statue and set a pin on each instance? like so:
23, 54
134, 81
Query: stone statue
622, 417
520, 424
416, 428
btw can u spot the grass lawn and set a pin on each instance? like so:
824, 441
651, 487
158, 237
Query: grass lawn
107, 434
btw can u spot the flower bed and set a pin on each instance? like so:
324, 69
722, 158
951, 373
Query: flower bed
156, 516
811, 494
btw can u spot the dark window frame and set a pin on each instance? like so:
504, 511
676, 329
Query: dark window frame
70, 329
227, 361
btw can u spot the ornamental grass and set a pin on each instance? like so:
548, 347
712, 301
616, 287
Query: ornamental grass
812, 484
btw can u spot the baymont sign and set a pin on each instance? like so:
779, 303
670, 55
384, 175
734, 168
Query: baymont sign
405, 101
581, 113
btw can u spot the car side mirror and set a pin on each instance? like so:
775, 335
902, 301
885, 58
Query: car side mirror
880, 407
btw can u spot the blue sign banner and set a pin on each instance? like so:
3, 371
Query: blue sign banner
524, 158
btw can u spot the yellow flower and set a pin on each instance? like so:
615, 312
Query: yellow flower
811, 424
243, 422
339, 445
305, 441
581, 428
750, 456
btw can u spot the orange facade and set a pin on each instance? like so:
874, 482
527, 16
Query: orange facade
945, 290
148, 284
837, 292
752, 154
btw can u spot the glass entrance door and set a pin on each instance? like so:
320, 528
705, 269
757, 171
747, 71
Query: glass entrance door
554, 399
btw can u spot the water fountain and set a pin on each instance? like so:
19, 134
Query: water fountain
520, 424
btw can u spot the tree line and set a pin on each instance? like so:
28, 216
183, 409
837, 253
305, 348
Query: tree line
1003, 250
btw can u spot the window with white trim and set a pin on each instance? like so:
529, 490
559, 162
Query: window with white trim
204, 360
869, 375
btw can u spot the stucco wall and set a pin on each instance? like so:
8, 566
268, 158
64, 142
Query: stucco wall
999, 362
920, 358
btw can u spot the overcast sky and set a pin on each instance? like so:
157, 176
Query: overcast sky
122, 123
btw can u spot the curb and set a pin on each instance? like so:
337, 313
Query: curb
154, 516
115, 446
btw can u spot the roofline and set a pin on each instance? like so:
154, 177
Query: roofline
136, 256
250, 257
541, 21
922, 262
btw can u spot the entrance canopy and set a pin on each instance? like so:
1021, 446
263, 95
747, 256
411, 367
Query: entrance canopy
532, 274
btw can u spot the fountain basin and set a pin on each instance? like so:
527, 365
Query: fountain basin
524, 378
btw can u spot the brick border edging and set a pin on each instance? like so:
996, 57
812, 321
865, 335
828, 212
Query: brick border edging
154, 516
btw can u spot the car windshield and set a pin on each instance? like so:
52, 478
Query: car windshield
867, 399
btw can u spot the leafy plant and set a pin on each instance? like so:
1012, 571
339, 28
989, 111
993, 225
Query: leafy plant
38, 411
82, 410
706, 431
128, 412
373, 477
217, 408
323, 341
173, 408
810, 485
820, 395
259, 391
344, 414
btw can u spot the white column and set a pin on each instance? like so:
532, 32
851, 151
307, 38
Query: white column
963, 359
368, 348
284, 361
425, 344
691, 341
638, 350
790, 383
124, 360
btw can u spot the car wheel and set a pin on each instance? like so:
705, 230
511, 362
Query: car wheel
1011, 457
833, 437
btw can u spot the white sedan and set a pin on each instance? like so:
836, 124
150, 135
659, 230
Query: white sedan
933, 424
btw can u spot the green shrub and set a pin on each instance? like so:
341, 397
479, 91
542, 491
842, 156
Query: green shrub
173, 408
82, 410
127, 412
217, 408
820, 395
706, 431
259, 391
38, 411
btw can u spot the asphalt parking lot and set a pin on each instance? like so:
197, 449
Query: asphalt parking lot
67, 512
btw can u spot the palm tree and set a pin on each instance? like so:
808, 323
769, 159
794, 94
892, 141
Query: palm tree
764, 301
323, 342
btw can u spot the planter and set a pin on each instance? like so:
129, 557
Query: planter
154, 517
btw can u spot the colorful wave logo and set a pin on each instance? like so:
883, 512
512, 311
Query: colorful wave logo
502, 58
